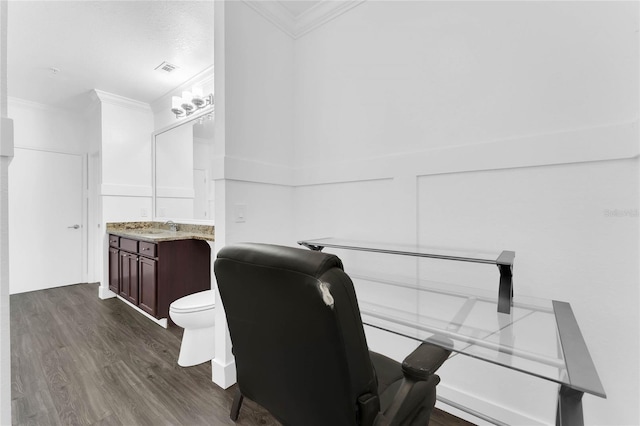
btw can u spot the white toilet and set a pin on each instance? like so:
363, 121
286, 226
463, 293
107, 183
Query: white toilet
196, 314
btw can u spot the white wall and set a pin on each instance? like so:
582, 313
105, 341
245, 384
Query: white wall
126, 146
125, 189
253, 148
505, 125
567, 248
258, 150
126, 160
47, 128
424, 75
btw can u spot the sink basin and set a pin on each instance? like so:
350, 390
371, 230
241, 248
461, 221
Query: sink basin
153, 231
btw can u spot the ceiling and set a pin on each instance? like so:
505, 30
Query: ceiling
112, 46
58, 51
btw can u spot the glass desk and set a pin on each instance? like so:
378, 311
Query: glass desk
537, 337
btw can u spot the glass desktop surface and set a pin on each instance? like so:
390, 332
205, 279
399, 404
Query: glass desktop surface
465, 319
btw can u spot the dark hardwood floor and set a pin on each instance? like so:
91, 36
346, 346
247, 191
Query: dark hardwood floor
79, 360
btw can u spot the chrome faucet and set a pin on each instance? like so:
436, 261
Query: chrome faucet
172, 226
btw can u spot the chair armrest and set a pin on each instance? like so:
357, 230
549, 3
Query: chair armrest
424, 361
419, 366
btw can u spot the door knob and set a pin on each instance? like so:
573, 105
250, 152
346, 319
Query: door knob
74, 226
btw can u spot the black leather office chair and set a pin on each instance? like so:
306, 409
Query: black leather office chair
300, 347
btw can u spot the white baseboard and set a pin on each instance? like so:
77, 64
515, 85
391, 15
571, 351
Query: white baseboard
105, 293
162, 322
223, 375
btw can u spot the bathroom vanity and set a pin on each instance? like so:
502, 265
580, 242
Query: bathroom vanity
150, 267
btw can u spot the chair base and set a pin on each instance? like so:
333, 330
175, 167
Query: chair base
237, 403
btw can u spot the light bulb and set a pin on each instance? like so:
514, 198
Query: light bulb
186, 101
176, 105
197, 98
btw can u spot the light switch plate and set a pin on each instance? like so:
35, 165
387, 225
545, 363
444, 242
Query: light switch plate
240, 213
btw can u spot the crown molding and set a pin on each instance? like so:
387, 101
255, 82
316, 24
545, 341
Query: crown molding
322, 13
275, 13
309, 20
92, 103
110, 98
203, 77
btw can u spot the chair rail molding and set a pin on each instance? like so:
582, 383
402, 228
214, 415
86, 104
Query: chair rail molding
602, 143
312, 18
125, 190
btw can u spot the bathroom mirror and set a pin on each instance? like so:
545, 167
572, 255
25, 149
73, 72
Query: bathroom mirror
183, 189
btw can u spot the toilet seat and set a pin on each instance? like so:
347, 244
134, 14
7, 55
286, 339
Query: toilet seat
196, 302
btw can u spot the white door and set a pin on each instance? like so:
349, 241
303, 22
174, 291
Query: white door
45, 220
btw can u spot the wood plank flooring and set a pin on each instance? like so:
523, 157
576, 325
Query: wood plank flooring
79, 360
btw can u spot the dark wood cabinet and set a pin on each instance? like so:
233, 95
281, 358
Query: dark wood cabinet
114, 270
129, 276
148, 281
152, 275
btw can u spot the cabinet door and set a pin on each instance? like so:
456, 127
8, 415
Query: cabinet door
114, 270
129, 277
148, 285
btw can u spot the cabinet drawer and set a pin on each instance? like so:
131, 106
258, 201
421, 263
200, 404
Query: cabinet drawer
147, 249
129, 245
114, 241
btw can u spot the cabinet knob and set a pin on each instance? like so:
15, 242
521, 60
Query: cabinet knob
145, 248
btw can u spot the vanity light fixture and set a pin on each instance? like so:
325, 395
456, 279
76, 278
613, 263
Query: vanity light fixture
190, 102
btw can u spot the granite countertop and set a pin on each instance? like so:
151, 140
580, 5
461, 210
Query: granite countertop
155, 232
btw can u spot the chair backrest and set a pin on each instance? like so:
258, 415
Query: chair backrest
296, 332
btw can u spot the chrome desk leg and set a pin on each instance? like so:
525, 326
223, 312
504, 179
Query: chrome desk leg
505, 291
311, 246
569, 412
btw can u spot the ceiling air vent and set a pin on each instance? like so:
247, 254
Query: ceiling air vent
166, 67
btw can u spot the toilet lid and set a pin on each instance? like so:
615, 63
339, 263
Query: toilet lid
200, 301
